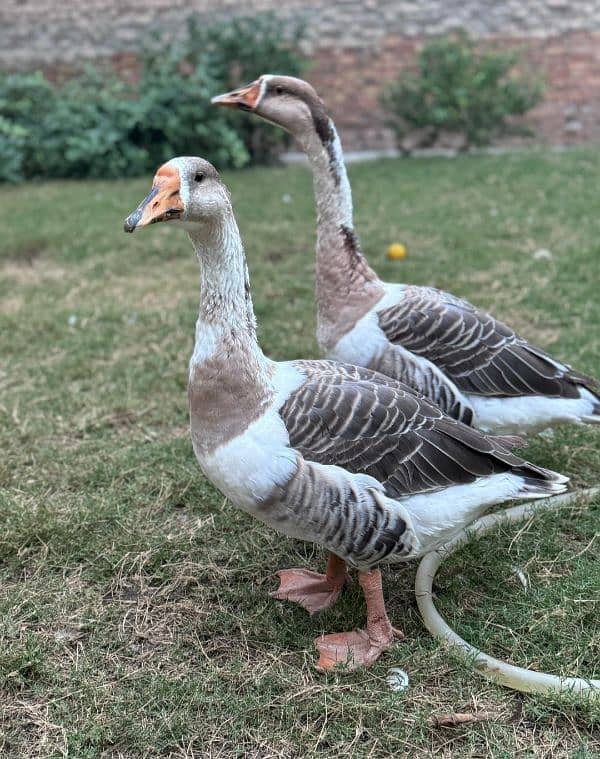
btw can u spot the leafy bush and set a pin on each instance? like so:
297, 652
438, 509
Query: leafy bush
175, 115
24, 100
460, 89
95, 125
80, 130
86, 132
241, 50
12, 141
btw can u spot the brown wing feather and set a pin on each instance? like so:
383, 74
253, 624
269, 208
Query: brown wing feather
480, 354
371, 424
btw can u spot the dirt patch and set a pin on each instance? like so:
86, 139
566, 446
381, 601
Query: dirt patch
33, 273
28, 254
12, 304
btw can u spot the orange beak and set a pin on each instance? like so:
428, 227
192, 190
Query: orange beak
162, 204
246, 98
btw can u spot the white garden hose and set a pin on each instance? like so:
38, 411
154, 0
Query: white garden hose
525, 680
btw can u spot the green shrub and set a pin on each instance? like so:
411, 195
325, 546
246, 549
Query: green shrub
175, 116
24, 101
95, 125
458, 88
87, 132
12, 142
82, 129
241, 50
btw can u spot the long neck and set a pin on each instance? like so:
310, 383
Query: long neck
225, 300
229, 374
343, 273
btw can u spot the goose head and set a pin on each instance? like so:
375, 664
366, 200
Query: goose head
285, 101
185, 189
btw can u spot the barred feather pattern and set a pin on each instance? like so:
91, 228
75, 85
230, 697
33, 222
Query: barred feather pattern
349, 515
371, 424
417, 372
481, 355
366, 443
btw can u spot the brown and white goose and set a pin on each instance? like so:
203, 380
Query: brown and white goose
327, 452
474, 367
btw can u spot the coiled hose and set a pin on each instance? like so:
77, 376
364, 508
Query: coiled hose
517, 678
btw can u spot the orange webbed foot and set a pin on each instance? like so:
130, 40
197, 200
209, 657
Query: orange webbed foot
360, 648
313, 591
352, 650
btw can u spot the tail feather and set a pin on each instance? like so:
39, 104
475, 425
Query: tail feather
594, 417
541, 483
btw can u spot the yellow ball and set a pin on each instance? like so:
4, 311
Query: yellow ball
396, 251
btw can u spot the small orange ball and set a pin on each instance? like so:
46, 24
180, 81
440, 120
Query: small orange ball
396, 251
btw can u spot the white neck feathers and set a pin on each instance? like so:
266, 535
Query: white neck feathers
226, 314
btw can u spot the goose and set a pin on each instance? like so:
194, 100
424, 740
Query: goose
322, 451
471, 365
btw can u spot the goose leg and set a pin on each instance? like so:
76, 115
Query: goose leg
314, 591
360, 648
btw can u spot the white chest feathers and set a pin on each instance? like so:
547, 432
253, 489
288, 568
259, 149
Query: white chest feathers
248, 468
366, 339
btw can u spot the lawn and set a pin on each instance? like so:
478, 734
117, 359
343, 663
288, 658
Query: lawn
135, 616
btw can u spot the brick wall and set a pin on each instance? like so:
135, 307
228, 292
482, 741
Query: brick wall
356, 46
351, 78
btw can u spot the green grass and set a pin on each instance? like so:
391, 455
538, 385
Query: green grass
135, 617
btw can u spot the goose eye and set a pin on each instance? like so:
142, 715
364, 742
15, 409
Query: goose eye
279, 89
198, 177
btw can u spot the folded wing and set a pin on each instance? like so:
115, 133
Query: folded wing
480, 354
371, 424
